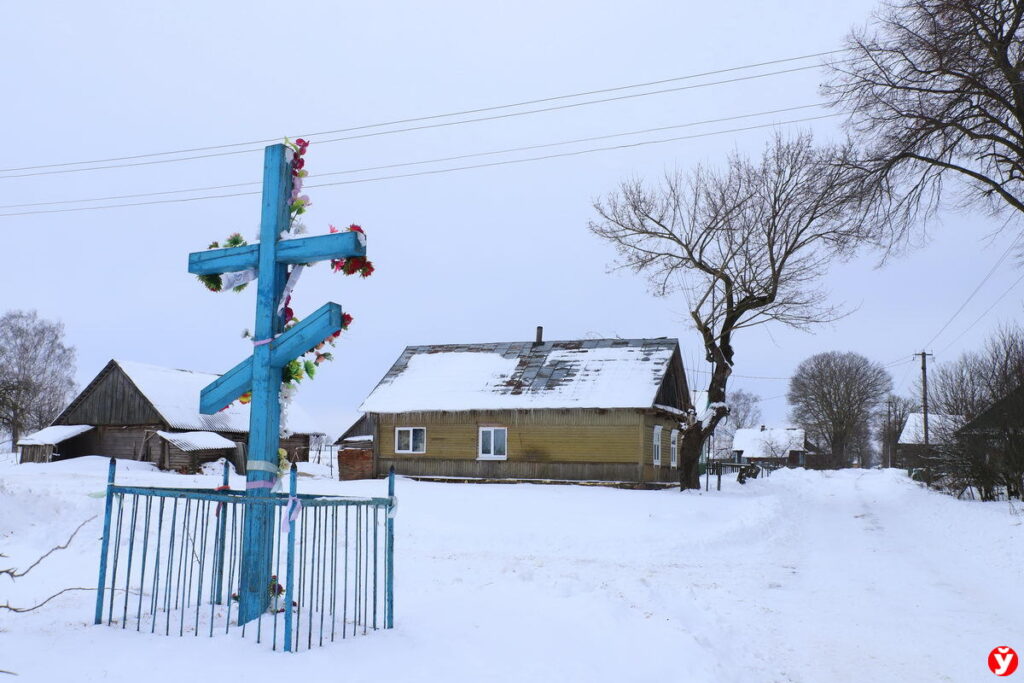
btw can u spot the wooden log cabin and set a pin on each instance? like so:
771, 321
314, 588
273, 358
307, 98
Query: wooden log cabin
593, 409
150, 413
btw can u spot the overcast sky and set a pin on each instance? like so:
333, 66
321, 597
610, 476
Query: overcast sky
469, 256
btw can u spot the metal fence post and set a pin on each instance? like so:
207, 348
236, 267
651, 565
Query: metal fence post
222, 509
289, 583
389, 565
106, 542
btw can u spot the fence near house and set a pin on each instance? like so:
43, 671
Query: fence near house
170, 556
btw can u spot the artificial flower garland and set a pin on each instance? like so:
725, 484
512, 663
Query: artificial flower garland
305, 365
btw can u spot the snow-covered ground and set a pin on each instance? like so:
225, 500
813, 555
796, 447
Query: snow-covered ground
806, 576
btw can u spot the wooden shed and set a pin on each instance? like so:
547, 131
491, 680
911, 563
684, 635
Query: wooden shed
150, 413
592, 409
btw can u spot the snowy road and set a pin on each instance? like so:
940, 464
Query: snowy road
803, 577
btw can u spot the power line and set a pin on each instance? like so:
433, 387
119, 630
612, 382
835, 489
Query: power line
425, 126
432, 116
437, 171
987, 311
985, 279
421, 162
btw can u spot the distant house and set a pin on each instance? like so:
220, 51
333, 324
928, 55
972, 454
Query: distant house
781, 446
149, 413
593, 409
911, 451
1005, 415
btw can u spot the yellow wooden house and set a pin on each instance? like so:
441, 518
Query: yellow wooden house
589, 409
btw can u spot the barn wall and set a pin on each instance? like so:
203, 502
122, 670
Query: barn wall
112, 400
112, 441
556, 444
35, 453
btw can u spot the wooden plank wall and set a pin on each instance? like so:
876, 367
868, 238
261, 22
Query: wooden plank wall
533, 436
511, 469
113, 400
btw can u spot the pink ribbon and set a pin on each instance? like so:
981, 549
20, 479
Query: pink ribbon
259, 484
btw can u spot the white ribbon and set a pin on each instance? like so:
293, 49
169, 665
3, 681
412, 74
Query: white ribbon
291, 513
237, 278
393, 508
293, 279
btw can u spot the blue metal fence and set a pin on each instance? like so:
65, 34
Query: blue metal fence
170, 555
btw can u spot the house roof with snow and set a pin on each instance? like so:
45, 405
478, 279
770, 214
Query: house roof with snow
588, 373
53, 435
164, 395
768, 442
940, 428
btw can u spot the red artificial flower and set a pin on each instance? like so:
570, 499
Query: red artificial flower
355, 228
302, 145
298, 163
334, 229
346, 320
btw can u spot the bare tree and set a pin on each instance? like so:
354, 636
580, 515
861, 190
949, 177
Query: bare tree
744, 411
935, 90
36, 372
746, 246
891, 424
835, 397
964, 388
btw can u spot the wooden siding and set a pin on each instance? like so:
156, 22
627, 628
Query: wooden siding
35, 453
542, 444
665, 472
111, 399
533, 436
511, 469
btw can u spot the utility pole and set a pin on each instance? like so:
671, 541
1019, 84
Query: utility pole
888, 430
924, 392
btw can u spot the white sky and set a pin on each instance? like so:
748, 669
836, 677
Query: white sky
480, 255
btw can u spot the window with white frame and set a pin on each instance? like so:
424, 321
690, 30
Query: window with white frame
657, 445
673, 449
410, 440
493, 443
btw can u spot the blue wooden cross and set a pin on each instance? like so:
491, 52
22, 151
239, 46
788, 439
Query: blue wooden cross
273, 349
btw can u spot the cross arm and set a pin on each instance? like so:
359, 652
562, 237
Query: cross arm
226, 388
217, 261
321, 324
321, 248
312, 330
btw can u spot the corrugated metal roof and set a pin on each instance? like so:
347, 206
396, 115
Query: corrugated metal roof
197, 441
51, 436
591, 373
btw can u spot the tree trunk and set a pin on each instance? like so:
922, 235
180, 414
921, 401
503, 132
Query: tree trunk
15, 429
689, 458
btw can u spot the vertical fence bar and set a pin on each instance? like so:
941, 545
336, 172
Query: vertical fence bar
106, 542
128, 569
389, 555
117, 554
289, 584
222, 511
142, 576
